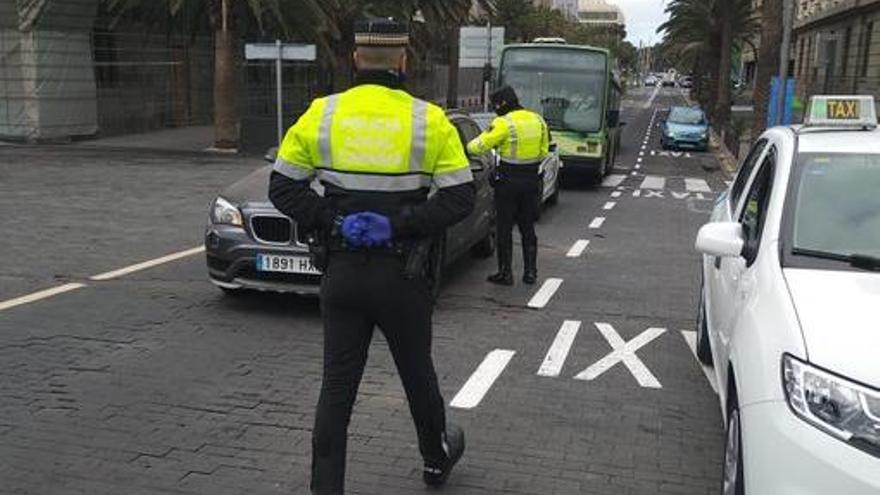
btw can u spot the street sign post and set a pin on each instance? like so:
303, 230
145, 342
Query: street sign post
279, 52
480, 47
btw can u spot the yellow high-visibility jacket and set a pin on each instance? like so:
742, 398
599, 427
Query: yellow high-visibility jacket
520, 137
373, 138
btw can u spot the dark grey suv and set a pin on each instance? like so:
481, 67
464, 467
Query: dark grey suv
251, 245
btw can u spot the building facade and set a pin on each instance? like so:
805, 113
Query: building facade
600, 14
836, 47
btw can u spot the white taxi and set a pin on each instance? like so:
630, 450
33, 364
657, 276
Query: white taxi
790, 306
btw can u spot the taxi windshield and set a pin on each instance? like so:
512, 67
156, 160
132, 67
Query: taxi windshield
837, 204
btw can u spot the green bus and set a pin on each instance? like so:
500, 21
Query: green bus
578, 93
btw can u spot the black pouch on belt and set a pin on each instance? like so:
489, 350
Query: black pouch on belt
318, 250
417, 259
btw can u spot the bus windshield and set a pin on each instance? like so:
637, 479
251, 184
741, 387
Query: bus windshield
566, 86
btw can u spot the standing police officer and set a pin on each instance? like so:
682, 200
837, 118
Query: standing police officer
522, 140
377, 151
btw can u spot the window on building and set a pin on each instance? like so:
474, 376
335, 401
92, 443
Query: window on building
800, 58
866, 49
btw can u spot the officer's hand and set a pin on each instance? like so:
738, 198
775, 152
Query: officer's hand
353, 228
377, 231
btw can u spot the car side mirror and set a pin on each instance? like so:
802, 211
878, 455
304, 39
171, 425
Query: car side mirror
553, 147
721, 239
271, 154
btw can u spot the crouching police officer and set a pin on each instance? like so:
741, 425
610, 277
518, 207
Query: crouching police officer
377, 151
522, 140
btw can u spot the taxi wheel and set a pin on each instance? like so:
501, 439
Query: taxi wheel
704, 348
732, 479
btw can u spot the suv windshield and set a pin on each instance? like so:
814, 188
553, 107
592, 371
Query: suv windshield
566, 86
687, 116
836, 199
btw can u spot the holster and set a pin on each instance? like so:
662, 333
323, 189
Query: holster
319, 250
416, 258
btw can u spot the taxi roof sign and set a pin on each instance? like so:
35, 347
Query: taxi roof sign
842, 111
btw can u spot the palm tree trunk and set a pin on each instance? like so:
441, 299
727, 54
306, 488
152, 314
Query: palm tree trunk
226, 118
722, 100
768, 61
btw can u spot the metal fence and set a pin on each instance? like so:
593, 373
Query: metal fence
146, 82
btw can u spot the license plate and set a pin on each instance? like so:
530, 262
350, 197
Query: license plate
301, 265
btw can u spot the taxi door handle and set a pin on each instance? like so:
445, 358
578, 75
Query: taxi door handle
718, 262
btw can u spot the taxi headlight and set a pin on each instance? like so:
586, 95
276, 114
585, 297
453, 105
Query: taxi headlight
844, 409
225, 213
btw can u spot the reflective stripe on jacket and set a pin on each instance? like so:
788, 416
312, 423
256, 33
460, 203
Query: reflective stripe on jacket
521, 136
377, 139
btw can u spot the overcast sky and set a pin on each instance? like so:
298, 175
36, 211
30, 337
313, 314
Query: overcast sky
642, 19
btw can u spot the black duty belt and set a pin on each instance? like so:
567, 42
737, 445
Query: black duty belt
520, 168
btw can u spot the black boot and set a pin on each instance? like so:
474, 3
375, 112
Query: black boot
505, 257
530, 263
436, 473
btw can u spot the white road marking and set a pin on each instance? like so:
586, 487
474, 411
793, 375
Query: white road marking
691, 338
482, 379
651, 99
597, 222
728, 183
616, 194
613, 180
545, 293
558, 352
39, 295
637, 193
148, 264
696, 185
609, 205
653, 182
637, 167
578, 248
641, 153
624, 352
639, 160
654, 194
634, 173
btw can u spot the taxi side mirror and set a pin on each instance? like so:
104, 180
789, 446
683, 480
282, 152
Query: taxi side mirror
721, 239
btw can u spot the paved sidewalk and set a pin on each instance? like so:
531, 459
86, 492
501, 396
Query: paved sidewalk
193, 139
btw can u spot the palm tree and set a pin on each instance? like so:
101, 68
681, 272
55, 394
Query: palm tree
703, 34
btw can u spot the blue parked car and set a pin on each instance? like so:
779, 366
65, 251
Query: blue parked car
685, 128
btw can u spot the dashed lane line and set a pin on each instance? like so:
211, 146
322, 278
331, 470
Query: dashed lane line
481, 381
578, 248
558, 352
616, 194
40, 295
597, 222
545, 293
613, 180
696, 185
653, 182
609, 205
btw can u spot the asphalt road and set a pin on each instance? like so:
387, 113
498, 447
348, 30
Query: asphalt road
155, 382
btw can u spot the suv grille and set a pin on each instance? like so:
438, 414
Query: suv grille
273, 229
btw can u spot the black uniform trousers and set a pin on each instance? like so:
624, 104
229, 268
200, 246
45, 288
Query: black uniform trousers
517, 199
361, 291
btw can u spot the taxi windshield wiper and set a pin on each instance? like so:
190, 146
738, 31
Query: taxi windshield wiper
862, 261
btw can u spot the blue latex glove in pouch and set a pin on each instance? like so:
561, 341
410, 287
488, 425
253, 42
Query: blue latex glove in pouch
367, 229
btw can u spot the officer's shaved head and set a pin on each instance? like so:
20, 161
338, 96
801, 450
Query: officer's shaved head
380, 58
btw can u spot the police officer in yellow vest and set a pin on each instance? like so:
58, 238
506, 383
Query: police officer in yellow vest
377, 151
522, 140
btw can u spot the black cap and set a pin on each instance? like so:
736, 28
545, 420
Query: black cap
504, 95
383, 31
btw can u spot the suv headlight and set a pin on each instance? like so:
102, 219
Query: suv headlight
225, 213
844, 409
